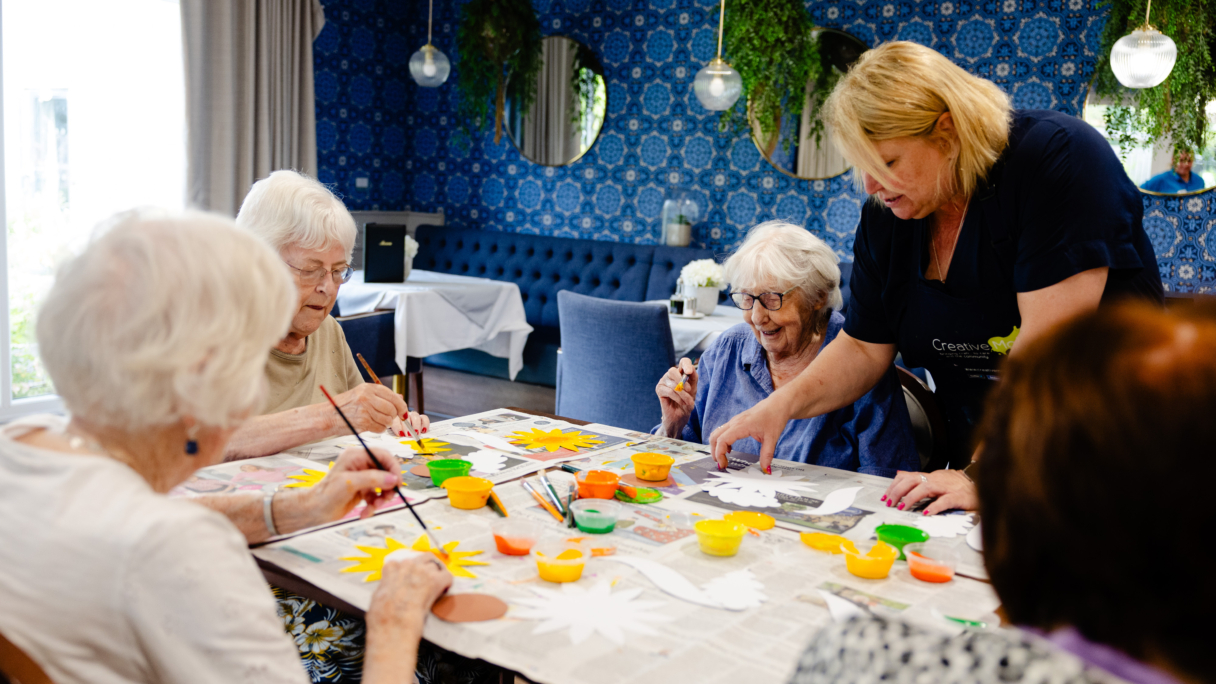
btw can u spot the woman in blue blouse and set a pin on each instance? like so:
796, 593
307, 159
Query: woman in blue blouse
788, 284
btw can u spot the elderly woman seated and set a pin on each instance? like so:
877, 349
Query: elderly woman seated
1094, 488
313, 234
158, 352
787, 282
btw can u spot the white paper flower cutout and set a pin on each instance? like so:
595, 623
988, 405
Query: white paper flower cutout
945, 525
486, 461
752, 488
587, 611
737, 590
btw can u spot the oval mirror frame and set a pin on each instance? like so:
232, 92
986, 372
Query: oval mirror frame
842, 50
1085, 115
589, 93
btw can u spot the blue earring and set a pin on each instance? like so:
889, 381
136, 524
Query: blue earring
191, 447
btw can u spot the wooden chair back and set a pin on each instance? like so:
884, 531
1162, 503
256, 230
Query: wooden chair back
19, 668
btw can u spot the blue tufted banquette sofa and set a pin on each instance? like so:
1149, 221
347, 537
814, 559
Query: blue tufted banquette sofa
541, 267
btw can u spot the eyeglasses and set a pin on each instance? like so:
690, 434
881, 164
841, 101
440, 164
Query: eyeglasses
769, 300
316, 275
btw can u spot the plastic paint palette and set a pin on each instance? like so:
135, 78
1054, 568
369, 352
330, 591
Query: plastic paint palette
446, 468
468, 493
597, 484
560, 561
652, 467
869, 560
595, 516
931, 561
515, 536
720, 537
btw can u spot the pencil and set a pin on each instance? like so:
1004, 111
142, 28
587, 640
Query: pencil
372, 374
541, 500
434, 542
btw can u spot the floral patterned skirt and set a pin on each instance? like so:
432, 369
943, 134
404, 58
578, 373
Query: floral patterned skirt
331, 646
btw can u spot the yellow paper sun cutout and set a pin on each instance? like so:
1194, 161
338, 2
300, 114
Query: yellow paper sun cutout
309, 478
429, 446
555, 439
374, 561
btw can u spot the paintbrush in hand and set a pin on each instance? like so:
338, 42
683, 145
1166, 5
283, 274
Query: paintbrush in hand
434, 542
372, 374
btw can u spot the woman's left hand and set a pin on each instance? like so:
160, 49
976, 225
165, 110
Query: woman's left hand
354, 478
951, 489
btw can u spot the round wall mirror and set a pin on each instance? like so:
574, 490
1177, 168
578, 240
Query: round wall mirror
568, 113
1155, 169
794, 149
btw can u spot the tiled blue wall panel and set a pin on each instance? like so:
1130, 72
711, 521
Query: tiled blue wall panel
374, 122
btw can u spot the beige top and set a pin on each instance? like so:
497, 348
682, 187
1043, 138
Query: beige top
105, 581
295, 379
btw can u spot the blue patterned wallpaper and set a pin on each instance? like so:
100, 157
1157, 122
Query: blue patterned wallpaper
373, 122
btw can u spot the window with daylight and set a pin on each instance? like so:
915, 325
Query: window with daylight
93, 124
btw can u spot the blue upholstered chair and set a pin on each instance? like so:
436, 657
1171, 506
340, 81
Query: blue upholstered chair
371, 335
612, 355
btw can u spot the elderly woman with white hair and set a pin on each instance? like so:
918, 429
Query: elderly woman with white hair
787, 282
313, 234
158, 353
987, 227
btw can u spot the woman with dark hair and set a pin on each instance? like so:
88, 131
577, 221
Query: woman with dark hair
1094, 496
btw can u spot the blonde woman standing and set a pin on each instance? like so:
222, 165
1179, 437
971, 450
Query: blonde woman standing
987, 227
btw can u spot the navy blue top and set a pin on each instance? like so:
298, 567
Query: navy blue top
1171, 183
873, 435
1058, 203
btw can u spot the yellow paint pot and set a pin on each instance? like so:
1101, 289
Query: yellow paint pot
823, 542
467, 492
560, 561
869, 560
754, 520
652, 467
720, 537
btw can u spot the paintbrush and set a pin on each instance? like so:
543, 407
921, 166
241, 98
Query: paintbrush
434, 542
372, 374
557, 500
541, 500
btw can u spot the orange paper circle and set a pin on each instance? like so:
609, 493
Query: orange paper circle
469, 608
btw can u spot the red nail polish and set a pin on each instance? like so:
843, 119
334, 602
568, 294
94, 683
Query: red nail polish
768, 470
901, 507
890, 503
925, 513
425, 429
884, 497
402, 432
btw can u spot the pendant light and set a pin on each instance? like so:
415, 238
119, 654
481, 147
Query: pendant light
1144, 58
718, 86
429, 66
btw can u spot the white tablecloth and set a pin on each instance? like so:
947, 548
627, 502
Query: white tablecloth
441, 312
696, 334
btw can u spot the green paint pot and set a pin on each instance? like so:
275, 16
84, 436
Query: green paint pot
898, 535
445, 468
595, 516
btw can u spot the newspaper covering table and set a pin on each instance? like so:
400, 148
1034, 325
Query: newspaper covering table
672, 639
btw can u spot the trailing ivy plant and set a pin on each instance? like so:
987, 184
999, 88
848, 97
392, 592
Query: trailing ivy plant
499, 44
772, 44
1176, 108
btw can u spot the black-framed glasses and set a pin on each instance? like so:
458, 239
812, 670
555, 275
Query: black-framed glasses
769, 300
316, 275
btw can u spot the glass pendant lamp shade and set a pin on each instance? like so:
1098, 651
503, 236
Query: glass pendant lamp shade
1144, 58
430, 67
717, 86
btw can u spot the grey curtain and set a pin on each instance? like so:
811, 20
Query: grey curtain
823, 161
249, 95
549, 136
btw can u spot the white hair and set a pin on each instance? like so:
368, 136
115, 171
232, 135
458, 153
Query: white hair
288, 208
154, 321
788, 256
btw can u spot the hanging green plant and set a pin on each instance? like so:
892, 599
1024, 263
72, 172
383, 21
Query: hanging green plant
1174, 110
499, 45
771, 43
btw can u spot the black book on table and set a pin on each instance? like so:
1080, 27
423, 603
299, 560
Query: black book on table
383, 254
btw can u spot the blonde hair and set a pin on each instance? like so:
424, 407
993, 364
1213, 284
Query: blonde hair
789, 256
288, 208
899, 90
155, 321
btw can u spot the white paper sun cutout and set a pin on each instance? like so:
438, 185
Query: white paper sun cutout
736, 590
486, 461
587, 611
752, 488
945, 525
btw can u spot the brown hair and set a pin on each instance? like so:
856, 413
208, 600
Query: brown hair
1095, 482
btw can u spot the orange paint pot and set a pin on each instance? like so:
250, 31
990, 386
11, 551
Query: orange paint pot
652, 467
468, 493
869, 560
597, 484
931, 561
515, 536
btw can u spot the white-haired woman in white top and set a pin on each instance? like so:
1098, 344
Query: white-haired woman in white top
313, 233
157, 351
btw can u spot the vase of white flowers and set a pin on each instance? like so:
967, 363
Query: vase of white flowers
411, 250
707, 278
